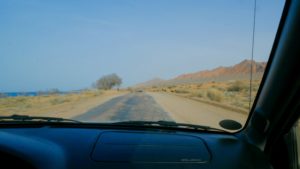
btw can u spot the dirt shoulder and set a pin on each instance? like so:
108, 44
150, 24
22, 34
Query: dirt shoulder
190, 111
224, 106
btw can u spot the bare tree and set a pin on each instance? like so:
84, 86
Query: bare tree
108, 82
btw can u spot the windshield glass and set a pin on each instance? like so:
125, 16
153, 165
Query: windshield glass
184, 61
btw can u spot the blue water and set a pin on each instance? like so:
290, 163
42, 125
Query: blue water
15, 94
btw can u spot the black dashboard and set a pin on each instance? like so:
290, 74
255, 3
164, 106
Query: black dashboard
85, 148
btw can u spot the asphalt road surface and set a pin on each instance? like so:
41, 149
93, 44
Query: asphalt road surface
132, 106
158, 106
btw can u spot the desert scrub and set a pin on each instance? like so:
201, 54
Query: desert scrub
214, 95
199, 85
181, 91
219, 88
239, 104
59, 100
172, 90
237, 86
198, 94
171, 87
164, 90
90, 93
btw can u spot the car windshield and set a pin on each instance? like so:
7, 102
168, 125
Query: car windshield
185, 62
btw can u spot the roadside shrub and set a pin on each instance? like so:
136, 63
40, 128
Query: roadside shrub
197, 94
237, 86
59, 100
215, 95
220, 88
199, 85
240, 104
200, 94
181, 91
170, 87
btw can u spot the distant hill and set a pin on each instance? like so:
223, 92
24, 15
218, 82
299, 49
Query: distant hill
243, 67
236, 72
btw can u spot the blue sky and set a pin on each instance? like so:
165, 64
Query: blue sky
68, 45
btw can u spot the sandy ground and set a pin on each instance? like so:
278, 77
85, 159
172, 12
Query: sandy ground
189, 111
75, 110
41, 106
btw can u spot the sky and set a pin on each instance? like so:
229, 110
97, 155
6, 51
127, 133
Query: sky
68, 45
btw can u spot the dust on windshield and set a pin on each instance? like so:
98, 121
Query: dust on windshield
192, 62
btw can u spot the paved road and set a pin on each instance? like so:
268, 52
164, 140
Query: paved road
132, 106
159, 106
